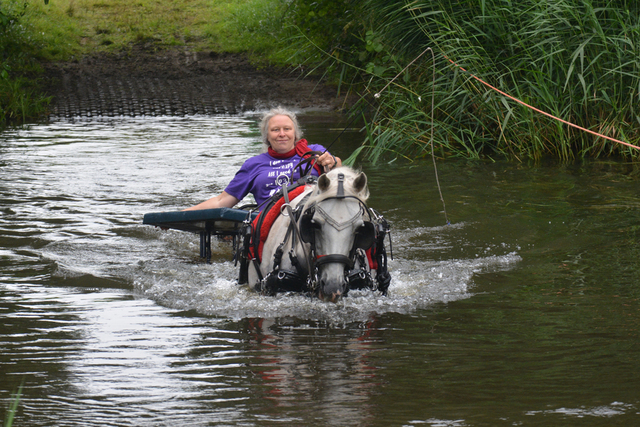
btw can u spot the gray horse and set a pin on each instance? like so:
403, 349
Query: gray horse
325, 248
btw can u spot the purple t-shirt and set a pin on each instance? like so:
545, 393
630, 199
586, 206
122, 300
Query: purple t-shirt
263, 174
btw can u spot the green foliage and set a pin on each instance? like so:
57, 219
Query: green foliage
579, 61
10, 14
19, 98
251, 26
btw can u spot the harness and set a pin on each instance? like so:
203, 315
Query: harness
368, 248
255, 233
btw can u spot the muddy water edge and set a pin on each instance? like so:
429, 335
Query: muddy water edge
523, 311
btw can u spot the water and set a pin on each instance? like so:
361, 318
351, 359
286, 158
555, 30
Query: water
523, 311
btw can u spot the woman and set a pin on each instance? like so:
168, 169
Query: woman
262, 175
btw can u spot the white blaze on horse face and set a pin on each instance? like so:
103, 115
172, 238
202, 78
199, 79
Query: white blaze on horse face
338, 220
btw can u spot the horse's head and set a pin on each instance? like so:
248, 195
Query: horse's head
334, 222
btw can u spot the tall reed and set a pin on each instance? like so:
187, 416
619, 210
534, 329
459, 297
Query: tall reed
13, 407
578, 60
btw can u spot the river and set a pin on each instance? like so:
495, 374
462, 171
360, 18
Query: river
523, 310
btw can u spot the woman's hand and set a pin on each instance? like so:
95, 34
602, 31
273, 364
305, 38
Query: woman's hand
328, 161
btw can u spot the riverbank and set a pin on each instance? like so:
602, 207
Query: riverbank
150, 58
145, 80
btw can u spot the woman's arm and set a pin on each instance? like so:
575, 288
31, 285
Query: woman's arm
222, 200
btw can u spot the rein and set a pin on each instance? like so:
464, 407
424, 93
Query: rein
293, 225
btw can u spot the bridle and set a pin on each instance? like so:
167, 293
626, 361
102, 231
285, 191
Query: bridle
364, 237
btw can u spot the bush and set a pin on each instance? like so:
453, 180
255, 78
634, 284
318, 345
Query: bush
579, 61
19, 96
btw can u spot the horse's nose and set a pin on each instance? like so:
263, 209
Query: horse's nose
332, 291
333, 297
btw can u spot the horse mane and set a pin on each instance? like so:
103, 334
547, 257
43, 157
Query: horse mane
350, 176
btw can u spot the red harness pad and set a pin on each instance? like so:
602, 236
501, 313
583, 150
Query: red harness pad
269, 218
373, 264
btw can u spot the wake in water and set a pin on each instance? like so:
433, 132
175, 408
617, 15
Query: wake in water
212, 290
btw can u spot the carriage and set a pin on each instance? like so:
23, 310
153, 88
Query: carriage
316, 236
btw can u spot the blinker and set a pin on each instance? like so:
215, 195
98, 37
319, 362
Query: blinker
308, 226
365, 236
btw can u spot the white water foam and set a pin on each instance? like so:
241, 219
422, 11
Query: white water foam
212, 289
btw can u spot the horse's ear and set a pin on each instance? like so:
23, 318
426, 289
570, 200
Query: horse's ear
360, 183
324, 182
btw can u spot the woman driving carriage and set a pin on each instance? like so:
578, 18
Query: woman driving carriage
262, 175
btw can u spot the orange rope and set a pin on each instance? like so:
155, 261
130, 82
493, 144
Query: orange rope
543, 112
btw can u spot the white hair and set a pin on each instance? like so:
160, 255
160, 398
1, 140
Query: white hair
278, 111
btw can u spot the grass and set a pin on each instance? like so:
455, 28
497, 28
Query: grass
65, 30
72, 28
21, 100
13, 407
